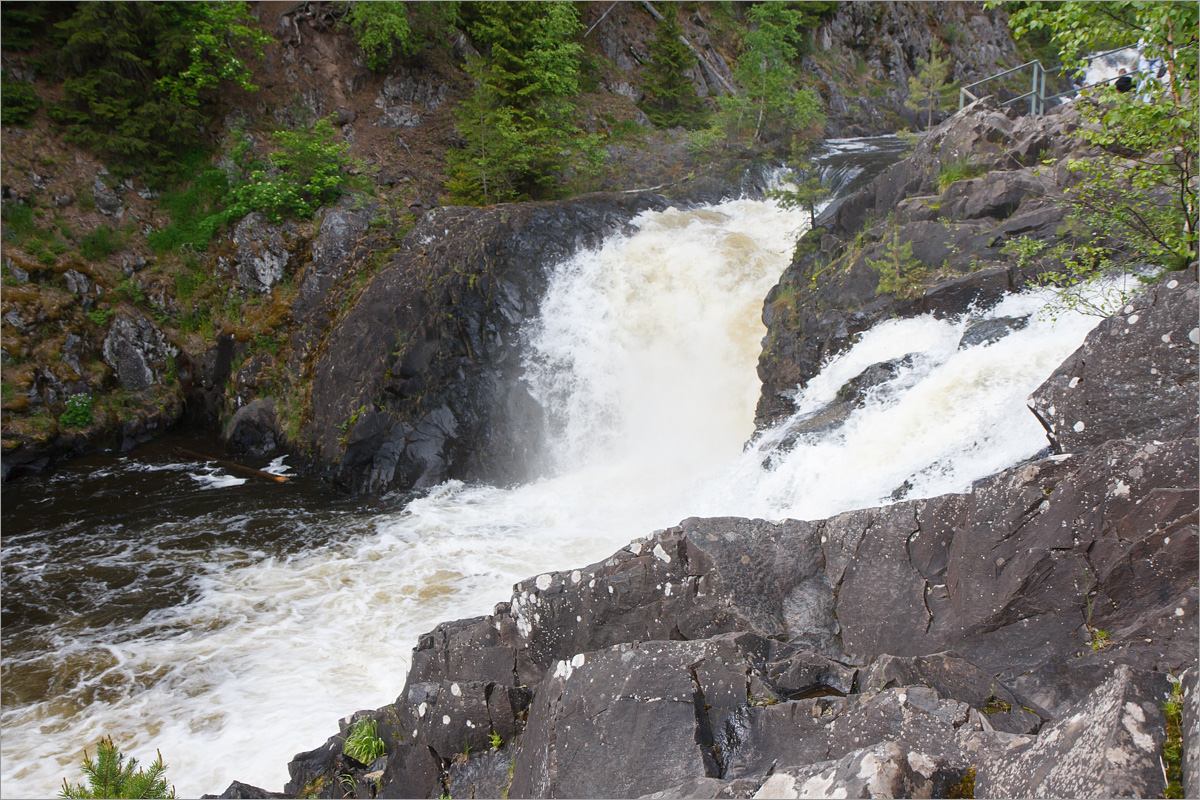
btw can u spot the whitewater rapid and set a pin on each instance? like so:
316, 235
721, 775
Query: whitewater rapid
644, 354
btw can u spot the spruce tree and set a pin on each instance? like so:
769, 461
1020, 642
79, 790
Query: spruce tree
926, 89
519, 121
671, 98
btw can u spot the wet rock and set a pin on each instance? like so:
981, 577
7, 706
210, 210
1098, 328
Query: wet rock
708, 788
958, 679
855, 389
136, 350
1142, 358
261, 253
1107, 746
251, 429
483, 776
991, 330
243, 791
420, 380
674, 694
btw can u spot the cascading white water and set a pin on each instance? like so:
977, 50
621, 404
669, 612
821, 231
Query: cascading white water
645, 354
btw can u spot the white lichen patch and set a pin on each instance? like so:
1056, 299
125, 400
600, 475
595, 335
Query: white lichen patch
661, 554
578, 660
1133, 318
1194, 335
445, 719
1079, 426
576, 576
635, 548
456, 690
544, 582
1121, 489
421, 709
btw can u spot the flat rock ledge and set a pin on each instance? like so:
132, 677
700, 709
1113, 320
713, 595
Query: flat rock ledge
1014, 641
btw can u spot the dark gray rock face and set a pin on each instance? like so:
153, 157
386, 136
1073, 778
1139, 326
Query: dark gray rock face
341, 227
991, 330
1106, 746
251, 429
260, 253
1134, 375
420, 380
136, 350
957, 235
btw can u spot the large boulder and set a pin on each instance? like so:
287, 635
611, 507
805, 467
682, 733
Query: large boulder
1134, 375
1108, 745
420, 380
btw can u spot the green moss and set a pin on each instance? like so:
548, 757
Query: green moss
965, 788
958, 170
1172, 756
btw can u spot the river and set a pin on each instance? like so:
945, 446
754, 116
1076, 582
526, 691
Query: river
229, 622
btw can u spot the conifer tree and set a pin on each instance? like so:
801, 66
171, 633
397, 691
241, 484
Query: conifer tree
926, 89
670, 97
519, 122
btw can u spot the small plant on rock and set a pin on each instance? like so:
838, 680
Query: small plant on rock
363, 743
78, 413
111, 776
900, 273
495, 740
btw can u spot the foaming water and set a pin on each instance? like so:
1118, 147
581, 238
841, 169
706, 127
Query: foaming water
232, 635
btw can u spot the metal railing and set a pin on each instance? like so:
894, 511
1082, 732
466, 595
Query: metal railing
1037, 86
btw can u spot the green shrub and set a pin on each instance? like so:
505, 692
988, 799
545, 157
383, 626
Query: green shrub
18, 101
196, 208
100, 243
310, 170
958, 170
100, 316
109, 777
77, 415
363, 743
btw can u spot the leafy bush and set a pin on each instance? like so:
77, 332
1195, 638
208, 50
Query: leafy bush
78, 415
100, 316
18, 101
109, 777
363, 743
309, 170
100, 243
384, 30
671, 98
196, 209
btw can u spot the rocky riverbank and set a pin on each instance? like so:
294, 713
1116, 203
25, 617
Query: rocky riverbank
1022, 636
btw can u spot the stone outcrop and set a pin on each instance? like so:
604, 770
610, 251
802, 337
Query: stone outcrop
957, 234
419, 380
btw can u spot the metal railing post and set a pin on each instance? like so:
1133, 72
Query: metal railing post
1033, 89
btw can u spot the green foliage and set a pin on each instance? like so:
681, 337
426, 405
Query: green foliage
927, 89
495, 740
772, 101
109, 776
1143, 194
959, 170
139, 73
309, 170
1173, 746
671, 98
900, 273
381, 30
100, 243
196, 207
18, 101
519, 121
385, 30
77, 415
805, 176
100, 316
363, 743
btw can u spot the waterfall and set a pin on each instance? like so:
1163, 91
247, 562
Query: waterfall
644, 354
